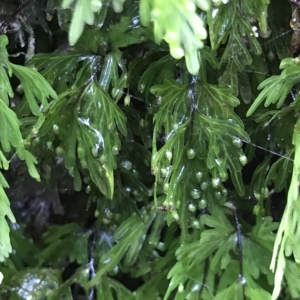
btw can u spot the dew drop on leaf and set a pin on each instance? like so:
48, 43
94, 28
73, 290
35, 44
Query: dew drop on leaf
243, 160
199, 176
55, 128
204, 185
159, 100
109, 214
202, 204
161, 246
59, 151
216, 182
127, 164
224, 192
163, 172
195, 193
115, 150
19, 89
191, 153
142, 88
88, 189
192, 207
237, 142
115, 270
169, 155
218, 195
127, 100
34, 131
196, 224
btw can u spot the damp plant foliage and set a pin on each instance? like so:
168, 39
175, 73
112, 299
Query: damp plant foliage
149, 149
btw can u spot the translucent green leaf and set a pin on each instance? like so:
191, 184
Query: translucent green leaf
233, 292
5, 212
130, 237
257, 294
35, 87
83, 13
58, 69
109, 288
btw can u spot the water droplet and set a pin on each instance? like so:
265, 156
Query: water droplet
88, 189
109, 214
59, 151
127, 164
127, 100
175, 126
128, 189
243, 160
191, 153
257, 195
216, 182
204, 185
161, 246
199, 176
180, 288
55, 128
34, 131
191, 207
243, 280
115, 270
196, 224
169, 155
142, 88
237, 142
218, 195
115, 150
195, 193
202, 204
163, 172
19, 89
